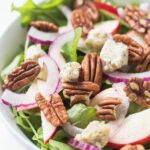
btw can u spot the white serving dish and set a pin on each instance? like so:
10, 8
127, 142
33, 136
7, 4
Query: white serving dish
10, 41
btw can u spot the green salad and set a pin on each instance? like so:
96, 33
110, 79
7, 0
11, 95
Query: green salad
82, 80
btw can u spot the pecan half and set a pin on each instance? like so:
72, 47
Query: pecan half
135, 17
44, 26
136, 51
138, 91
78, 3
92, 68
107, 108
91, 10
147, 37
22, 75
79, 18
79, 92
53, 109
133, 147
145, 64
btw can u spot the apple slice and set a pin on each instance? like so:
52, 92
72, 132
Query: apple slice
49, 130
107, 7
110, 27
134, 130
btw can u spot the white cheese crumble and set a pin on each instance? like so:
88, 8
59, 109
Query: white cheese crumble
96, 133
34, 52
114, 55
96, 39
70, 72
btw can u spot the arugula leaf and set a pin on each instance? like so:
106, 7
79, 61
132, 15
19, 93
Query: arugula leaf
69, 50
81, 116
15, 63
60, 146
47, 11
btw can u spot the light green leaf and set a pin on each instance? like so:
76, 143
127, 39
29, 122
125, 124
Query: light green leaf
15, 63
69, 50
81, 116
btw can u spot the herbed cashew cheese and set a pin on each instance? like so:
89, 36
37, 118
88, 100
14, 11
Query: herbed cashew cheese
96, 39
70, 72
114, 55
96, 133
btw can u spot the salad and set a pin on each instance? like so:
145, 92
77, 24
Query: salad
82, 79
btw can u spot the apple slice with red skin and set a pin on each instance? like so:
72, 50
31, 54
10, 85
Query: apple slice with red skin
135, 129
107, 7
49, 130
110, 27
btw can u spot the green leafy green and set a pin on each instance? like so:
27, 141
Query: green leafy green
15, 63
69, 50
134, 108
47, 11
61, 136
81, 116
59, 145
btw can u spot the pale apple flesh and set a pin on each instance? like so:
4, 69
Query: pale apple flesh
135, 129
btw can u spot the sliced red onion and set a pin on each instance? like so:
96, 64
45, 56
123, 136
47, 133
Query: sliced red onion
27, 107
55, 48
116, 77
71, 129
26, 100
82, 145
51, 85
49, 130
67, 12
40, 37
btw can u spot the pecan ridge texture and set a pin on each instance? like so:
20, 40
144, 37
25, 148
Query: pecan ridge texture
22, 75
138, 91
44, 26
53, 109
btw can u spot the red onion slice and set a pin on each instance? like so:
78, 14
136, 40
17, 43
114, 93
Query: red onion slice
71, 129
26, 100
82, 145
116, 77
55, 48
40, 37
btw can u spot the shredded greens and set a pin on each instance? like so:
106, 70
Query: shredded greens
15, 63
47, 11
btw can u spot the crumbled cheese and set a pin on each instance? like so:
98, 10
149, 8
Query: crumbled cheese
70, 72
34, 52
96, 39
96, 133
114, 55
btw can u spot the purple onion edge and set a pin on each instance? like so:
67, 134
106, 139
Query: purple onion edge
77, 144
36, 40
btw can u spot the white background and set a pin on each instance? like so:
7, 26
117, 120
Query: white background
7, 140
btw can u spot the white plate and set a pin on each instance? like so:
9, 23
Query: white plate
10, 41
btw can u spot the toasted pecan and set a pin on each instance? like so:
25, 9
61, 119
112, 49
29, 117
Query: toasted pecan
92, 68
138, 91
22, 75
53, 109
44, 26
107, 108
133, 147
135, 17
